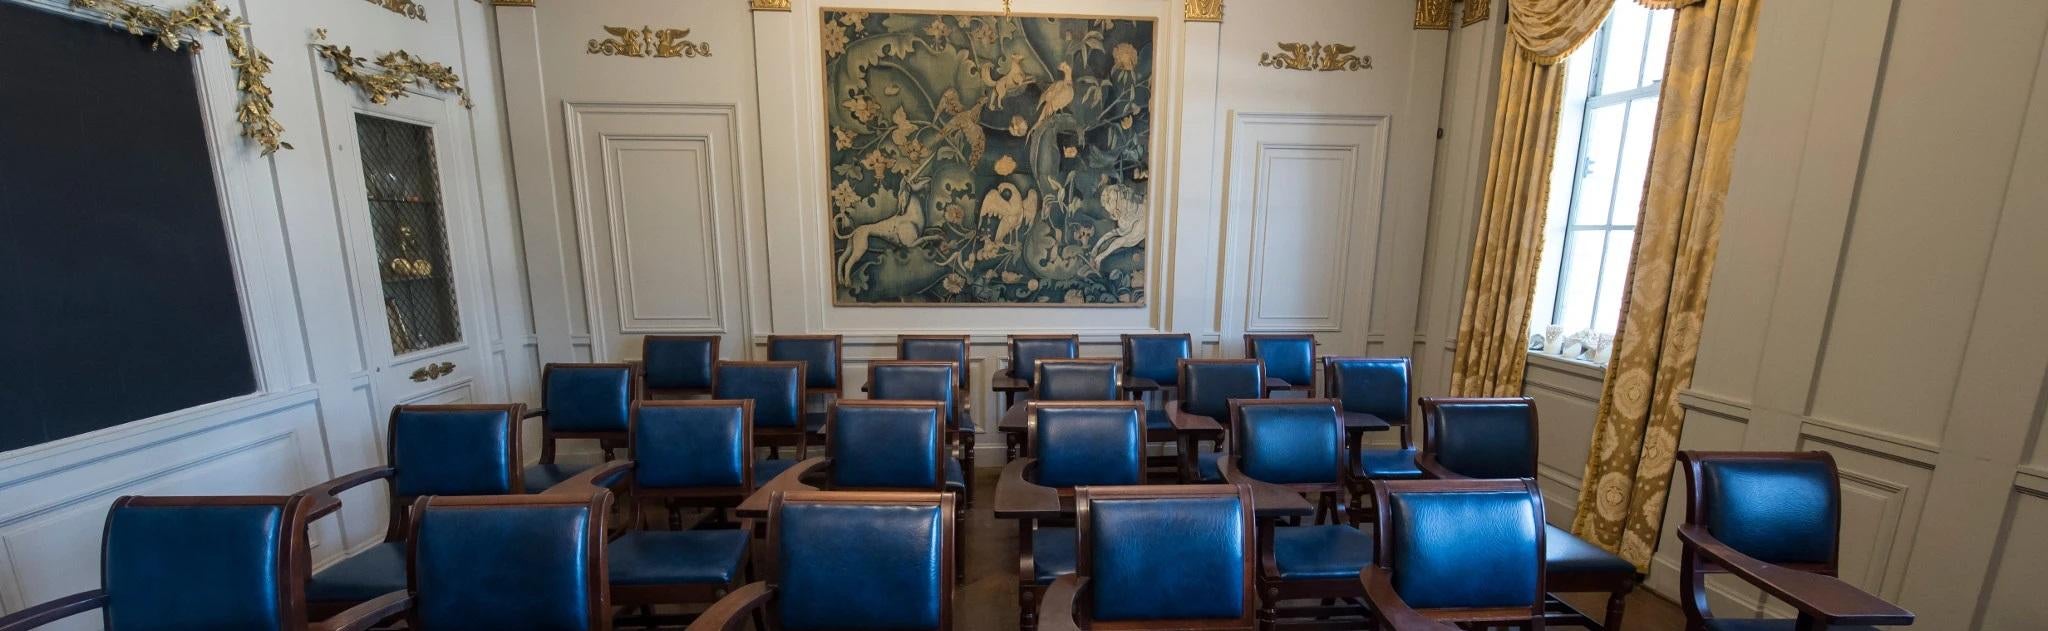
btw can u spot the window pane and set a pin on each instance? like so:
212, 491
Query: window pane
1628, 27
1635, 160
1581, 283
1603, 154
1613, 277
1659, 46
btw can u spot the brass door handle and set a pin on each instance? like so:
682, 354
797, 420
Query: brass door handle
433, 371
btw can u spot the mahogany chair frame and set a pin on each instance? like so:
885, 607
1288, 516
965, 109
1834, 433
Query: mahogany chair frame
607, 442
651, 393
738, 609
957, 424
1330, 509
1378, 578
1019, 477
962, 368
1361, 485
719, 498
1189, 429
1116, 377
1012, 380
598, 569
774, 438
1065, 603
1274, 384
1137, 388
294, 562
1814, 589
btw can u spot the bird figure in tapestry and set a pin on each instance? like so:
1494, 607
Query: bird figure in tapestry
1057, 96
1011, 208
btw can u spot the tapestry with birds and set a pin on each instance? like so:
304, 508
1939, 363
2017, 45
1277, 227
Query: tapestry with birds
988, 159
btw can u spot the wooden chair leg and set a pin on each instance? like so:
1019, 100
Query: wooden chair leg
1616, 602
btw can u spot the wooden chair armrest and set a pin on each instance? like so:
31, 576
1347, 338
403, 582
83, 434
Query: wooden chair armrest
791, 480
731, 612
1269, 500
1394, 613
534, 413
1140, 384
601, 477
367, 614
1017, 497
1056, 607
1436, 470
1002, 382
53, 611
327, 495
1185, 422
1827, 599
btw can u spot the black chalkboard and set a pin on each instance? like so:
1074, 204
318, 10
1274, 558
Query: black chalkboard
117, 295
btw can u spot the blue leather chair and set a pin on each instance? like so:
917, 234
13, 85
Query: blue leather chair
824, 360
684, 453
1495, 438
461, 576
938, 348
1299, 444
204, 563
1468, 551
1159, 557
1207, 386
1070, 444
850, 560
930, 381
776, 388
429, 450
1152, 365
677, 366
1376, 386
1774, 520
1025, 353
1289, 360
1077, 380
890, 445
581, 401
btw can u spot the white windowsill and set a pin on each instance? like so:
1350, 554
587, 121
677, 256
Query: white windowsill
1588, 370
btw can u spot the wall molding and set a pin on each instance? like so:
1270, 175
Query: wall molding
120, 440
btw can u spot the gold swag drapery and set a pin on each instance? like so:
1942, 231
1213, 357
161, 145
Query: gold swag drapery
1622, 494
1493, 327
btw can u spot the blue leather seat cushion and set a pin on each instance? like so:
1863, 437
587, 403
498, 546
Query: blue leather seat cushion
1320, 552
1207, 468
1053, 552
767, 469
955, 475
541, 476
1157, 420
1567, 554
668, 557
371, 573
1755, 624
1389, 464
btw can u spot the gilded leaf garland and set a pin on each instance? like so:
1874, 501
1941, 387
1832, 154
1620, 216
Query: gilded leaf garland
648, 41
1318, 56
1433, 14
1477, 11
1204, 11
400, 70
178, 28
407, 8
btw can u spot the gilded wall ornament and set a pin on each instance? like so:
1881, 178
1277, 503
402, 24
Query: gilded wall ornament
407, 8
1477, 11
648, 41
1204, 10
1332, 57
400, 70
177, 28
768, 5
1433, 14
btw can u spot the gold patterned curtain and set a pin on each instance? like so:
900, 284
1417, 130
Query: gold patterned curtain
1621, 497
1493, 328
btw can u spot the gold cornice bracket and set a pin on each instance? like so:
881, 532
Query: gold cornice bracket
647, 41
767, 5
1433, 15
1205, 10
1319, 57
1477, 11
511, 3
400, 70
407, 8
178, 28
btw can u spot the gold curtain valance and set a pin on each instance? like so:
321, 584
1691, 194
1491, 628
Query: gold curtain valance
1547, 31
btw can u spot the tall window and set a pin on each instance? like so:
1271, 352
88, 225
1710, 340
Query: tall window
1605, 129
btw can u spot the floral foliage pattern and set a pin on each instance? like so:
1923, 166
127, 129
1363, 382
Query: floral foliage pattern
988, 159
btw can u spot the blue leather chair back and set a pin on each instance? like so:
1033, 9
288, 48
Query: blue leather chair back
462, 577
1372, 385
820, 356
453, 450
897, 446
691, 444
677, 362
1075, 380
1465, 548
861, 565
1296, 442
913, 381
936, 349
1026, 351
1165, 558
1208, 385
776, 388
1156, 357
1088, 445
1290, 358
1777, 510
172, 564
587, 397
1483, 438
